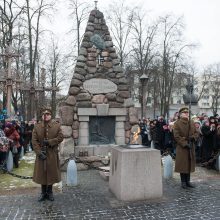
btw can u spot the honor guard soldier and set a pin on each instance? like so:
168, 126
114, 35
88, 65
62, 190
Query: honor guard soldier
185, 135
46, 137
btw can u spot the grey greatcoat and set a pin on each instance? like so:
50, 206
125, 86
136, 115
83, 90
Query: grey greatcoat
185, 158
51, 174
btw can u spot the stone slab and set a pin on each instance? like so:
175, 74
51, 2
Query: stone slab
135, 174
117, 111
83, 118
93, 111
97, 86
87, 111
120, 118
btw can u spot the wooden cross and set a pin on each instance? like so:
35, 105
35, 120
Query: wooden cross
35, 90
100, 60
8, 80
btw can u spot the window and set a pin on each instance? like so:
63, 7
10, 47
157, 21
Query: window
205, 104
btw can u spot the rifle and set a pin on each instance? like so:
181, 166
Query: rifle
190, 88
44, 147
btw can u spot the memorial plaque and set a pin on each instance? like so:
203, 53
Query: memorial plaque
96, 86
102, 130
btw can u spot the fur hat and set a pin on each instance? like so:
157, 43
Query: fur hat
197, 122
185, 108
46, 110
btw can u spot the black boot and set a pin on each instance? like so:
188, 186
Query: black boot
50, 193
183, 180
43, 194
16, 159
188, 184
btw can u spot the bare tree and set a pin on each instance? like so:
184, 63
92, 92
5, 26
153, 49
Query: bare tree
120, 18
173, 58
10, 13
57, 68
80, 11
212, 85
34, 15
144, 44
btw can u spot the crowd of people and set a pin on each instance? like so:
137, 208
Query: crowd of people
189, 139
158, 134
14, 135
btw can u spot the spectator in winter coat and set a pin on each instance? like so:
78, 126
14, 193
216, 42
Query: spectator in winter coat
209, 134
12, 134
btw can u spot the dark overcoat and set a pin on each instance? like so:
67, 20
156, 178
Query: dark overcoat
47, 172
208, 141
185, 158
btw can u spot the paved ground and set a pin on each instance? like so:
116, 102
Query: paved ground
91, 199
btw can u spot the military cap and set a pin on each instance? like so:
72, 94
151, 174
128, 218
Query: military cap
185, 108
46, 110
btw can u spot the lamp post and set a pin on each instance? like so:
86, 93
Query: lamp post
190, 98
143, 79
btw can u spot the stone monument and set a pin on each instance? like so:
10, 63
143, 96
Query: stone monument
98, 112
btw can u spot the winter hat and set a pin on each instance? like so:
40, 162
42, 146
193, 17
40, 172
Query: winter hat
8, 125
46, 110
183, 109
198, 122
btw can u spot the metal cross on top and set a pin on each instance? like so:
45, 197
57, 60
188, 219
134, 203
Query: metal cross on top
96, 4
8, 80
100, 60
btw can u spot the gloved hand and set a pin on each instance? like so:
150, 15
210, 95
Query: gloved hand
42, 156
191, 139
189, 146
45, 143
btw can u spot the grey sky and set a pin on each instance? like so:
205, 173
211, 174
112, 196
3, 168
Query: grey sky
202, 20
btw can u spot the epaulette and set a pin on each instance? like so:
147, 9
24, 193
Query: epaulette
54, 121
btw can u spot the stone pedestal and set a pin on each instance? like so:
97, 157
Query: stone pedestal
135, 174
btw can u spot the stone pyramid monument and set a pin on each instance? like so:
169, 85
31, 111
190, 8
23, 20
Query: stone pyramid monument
98, 112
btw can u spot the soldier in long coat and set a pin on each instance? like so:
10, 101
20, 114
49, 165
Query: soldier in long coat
46, 137
185, 136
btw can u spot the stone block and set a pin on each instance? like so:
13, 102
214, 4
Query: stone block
83, 118
83, 132
117, 111
120, 118
84, 125
135, 174
102, 150
87, 111
67, 147
119, 140
67, 131
119, 132
102, 109
119, 125
83, 140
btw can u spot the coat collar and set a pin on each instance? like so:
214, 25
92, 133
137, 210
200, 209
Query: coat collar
184, 120
49, 124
